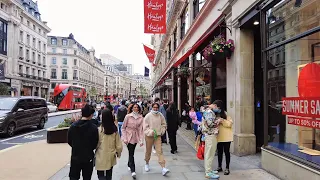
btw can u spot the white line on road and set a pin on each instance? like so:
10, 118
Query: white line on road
12, 143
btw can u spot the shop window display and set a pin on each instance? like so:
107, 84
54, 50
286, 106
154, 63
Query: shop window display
293, 80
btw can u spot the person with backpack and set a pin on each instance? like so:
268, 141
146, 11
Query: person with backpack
83, 138
121, 114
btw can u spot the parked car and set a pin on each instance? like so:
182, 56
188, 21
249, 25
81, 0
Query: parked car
17, 113
52, 107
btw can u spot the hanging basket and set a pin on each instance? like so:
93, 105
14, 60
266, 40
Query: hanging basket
219, 48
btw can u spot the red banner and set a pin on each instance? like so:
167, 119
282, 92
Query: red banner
150, 53
155, 16
301, 106
305, 122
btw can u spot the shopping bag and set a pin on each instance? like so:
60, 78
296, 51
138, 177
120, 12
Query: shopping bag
200, 153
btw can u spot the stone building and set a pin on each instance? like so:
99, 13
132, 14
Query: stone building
24, 48
71, 63
274, 41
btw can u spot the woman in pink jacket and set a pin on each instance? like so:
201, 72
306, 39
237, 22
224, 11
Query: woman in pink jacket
193, 116
132, 134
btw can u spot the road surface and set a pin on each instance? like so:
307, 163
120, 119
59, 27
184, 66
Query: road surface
31, 134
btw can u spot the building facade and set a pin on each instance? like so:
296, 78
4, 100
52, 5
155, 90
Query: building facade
110, 80
23, 48
71, 63
142, 85
274, 40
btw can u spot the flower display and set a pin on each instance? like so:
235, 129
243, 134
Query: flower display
219, 47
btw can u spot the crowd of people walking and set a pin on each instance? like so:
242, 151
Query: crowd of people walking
98, 137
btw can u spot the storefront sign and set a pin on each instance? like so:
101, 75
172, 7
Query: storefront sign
311, 123
299, 106
155, 16
150, 53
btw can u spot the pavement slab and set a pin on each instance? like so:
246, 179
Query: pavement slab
183, 166
33, 161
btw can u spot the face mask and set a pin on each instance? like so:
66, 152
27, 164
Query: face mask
154, 112
217, 110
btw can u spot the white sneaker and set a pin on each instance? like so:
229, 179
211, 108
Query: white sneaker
134, 175
147, 168
154, 151
165, 171
129, 169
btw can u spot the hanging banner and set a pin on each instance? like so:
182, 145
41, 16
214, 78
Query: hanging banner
150, 53
2, 77
146, 72
155, 16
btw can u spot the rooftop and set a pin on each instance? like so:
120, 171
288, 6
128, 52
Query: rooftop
31, 7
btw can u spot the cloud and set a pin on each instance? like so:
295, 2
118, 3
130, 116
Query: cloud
111, 27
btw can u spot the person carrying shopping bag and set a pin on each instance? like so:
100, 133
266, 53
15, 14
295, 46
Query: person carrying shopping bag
210, 129
225, 136
132, 134
154, 127
108, 148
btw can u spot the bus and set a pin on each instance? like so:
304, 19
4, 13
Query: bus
68, 97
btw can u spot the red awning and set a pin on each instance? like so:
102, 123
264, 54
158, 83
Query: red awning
200, 41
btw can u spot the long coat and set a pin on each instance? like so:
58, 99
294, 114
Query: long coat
108, 149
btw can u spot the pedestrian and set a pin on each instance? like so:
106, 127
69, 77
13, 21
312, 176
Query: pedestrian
109, 147
121, 114
225, 136
154, 127
210, 129
132, 134
194, 118
83, 138
173, 125
187, 117
116, 107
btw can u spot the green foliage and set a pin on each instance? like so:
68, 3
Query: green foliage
4, 90
93, 91
65, 123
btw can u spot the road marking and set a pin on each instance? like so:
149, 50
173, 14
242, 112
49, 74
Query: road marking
15, 137
12, 143
10, 148
32, 136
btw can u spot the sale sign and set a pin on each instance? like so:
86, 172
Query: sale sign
155, 16
299, 106
150, 53
306, 122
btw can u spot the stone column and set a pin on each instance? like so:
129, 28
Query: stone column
179, 92
190, 81
39, 93
241, 98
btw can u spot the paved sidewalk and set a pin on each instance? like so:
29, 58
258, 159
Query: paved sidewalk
183, 166
33, 161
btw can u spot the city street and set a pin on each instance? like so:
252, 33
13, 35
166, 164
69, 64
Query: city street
32, 134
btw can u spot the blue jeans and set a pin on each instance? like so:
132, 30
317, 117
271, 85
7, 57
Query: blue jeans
195, 128
119, 127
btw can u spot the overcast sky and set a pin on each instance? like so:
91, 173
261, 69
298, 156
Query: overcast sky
112, 27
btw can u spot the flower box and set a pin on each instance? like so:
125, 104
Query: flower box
57, 135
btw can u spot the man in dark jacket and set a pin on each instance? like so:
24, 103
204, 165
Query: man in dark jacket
83, 138
121, 114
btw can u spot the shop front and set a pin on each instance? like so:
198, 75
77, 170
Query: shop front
291, 56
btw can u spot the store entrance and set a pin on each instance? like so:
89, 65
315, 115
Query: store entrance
253, 25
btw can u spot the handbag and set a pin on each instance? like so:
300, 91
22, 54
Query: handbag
198, 142
200, 153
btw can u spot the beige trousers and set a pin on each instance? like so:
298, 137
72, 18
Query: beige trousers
150, 141
209, 152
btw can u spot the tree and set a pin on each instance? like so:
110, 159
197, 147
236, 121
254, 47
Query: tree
4, 90
93, 92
